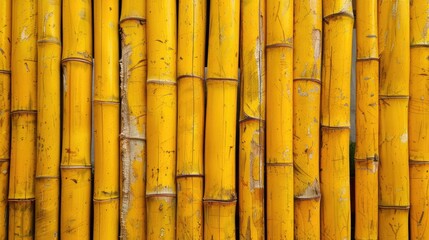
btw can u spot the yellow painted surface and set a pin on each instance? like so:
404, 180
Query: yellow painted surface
307, 223
393, 224
218, 219
419, 183
19, 229
161, 225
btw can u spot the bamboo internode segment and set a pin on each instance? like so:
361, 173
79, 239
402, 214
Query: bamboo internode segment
394, 51
76, 134
306, 114
133, 120
335, 119
23, 119
161, 119
5, 36
190, 121
47, 210
220, 132
252, 121
366, 153
279, 160
419, 119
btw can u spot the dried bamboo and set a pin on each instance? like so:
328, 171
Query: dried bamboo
47, 210
133, 120
306, 117
190, 134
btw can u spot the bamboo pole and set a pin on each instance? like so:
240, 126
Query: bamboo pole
47, 185
5, 36
76, 138
394, 51
106, 120
279, 161
306, 105
419, 119
366, 153
23, 116
190, 132
220, 197
252, 120
133, 120
335, 119
161, 119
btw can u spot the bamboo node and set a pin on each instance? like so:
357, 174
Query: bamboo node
316, 80
5, 71
179, 77
279, 45
75, 59
222, 79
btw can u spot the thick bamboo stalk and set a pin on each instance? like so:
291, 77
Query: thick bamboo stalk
5, 43
252, 120
47, 211
394, 51
335, 119
161, 119
106, 120
220, 197
133, 120
306, 104
23, 116
366, 153
279, 159
190, 132
419, 119
76, 134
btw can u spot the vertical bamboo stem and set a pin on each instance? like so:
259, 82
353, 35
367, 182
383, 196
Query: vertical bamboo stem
220, 197
76, 138
279, 50
394, 51
190, 132
23, 114
306, 118
5, 56
48, 120
252, 120
161, 119
366, 153
335, 119
419, 119
133, 120
106, 120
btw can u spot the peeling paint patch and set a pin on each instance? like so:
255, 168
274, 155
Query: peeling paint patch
404, 138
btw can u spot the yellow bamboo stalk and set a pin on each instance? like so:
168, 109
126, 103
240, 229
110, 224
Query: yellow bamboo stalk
335, 119
23, 115
76, 138
47, 210
306, 105
394, 51
161, 119
220, 197
419, 119
133, 120
366, 153
252, 120
106, 120
190, 132
5, 45
279, 160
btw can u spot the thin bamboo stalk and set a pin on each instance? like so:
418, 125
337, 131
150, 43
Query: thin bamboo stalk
106, 120
220, 197
133, 120
5, 43
47, 186
23, 116
279, 161
335, 119
190, 132
306, 118
76, 138
252, 120
161, 119
394, 51
366, 153
419, 119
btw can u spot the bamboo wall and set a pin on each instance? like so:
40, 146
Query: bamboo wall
220, 119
